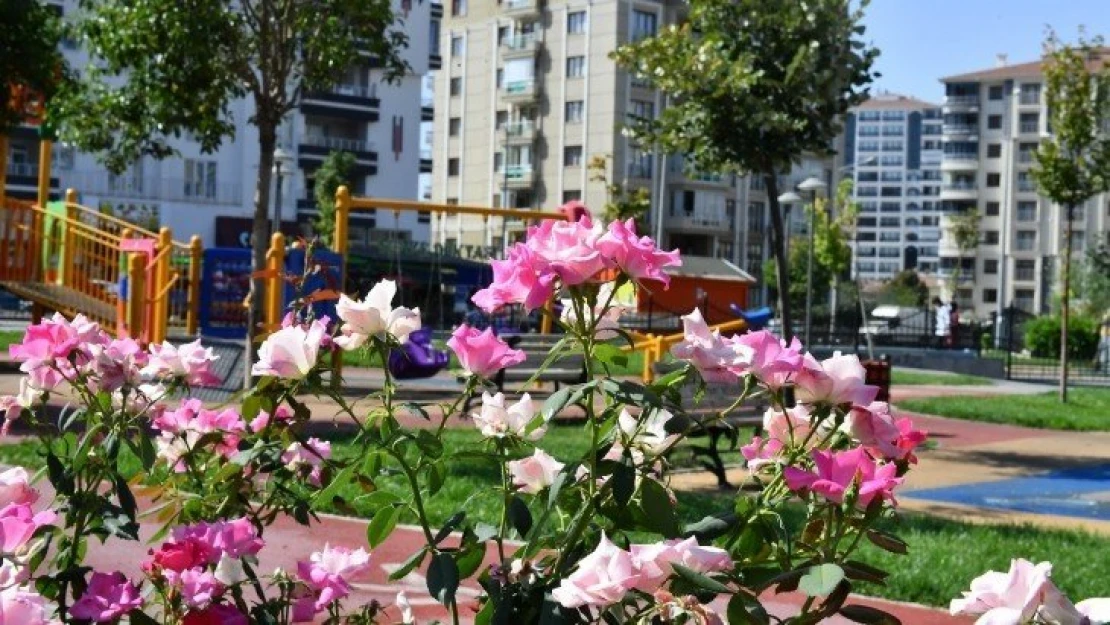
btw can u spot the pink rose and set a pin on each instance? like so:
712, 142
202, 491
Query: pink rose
1016, 596
654, 560
605, 321
522, 278
534, 473
290, 353
22, 606
282, 414
839, 379
790, 428
191, 362
177, 556
198, 587
18, 524
15, 487
328, 572
717, 360
482, 353
760, 452
497, 420
216, 615
600, 579
108, 597
836, 472
13, 406
773, 361
637, 257
236, 538
307, 459
374, 316
115, 364
569, 248
48, 348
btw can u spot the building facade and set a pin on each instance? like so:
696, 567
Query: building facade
213, 194
893, 144
994, 120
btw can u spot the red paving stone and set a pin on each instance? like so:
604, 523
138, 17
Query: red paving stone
954, 433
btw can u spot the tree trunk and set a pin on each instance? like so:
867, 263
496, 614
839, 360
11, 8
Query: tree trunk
260, 235
1065, 296
778, 245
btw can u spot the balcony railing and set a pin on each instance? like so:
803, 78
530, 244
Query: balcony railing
521, 128
518, 172
111, 187
961, 100
335, 143
1026, 157
520, 43
519, 87
960, 129
23, 169
1033, 97
639, 170
520, 6
961, 156
1026, 185
358, 91
701, 218
1029, 127
960, 186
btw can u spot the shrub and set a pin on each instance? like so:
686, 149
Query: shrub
1042, 336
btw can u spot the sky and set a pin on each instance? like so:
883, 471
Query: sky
924, 40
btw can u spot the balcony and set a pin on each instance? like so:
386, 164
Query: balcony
106, 187
961, 102
960, 161
520, 133
697, 221
520, 91
961, 130
313, 149
345, 101
427, 113
23, 182
518, 177
425, 161
521, 9
519, 46
1029, 128
680, 173
959, 191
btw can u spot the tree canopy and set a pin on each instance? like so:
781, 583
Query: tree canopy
333, 173
31, 65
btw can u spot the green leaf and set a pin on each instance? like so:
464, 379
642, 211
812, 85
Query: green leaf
408, 565
429, 443
863, 572
520, 516
252, 405
437, 477
711, 527
146, 452
745, 609
888, 542
443, 578
556, 487
470, 559
659, 512
381, 526
611, 354
449, 527
624, 482
60, 479
126, 499
337, 482
699, 581
869, 615
821, 579
138, 617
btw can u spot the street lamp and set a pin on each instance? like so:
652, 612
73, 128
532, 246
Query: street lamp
786, 200
813, 185
281, 157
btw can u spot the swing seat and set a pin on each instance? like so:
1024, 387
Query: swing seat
417, 358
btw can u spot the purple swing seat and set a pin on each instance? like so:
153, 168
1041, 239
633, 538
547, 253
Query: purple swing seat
417, 358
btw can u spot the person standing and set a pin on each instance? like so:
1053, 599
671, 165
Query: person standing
953, 325
941, 320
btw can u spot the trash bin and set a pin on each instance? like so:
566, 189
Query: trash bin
878, 374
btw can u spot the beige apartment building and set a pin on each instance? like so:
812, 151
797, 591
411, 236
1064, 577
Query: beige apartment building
993, 121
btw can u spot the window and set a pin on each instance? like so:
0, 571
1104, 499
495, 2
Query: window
894, 131
642, 109
458, 8
990, 237
867, 176
1031, 93
453, 126
890, 236
200, 178
644, 24
994, 92
892, 176
866, 222
1027, 211
990, 266
1029, 122
1025, 270
869, 116
1026, 240
576, 22
501, 119
865, 236
890, 222
994, 122
892, 192
1026, 152
890, 252
994, 179
993, 209
990, 296
500, 78
570, 196
456, 86
639, 163
576, 66
452, 167
457, 45
994, 150
574, 112
894, 116
1025, 182
503, 34
870, 130
892, 161
572, 156
498, 160
1023, 299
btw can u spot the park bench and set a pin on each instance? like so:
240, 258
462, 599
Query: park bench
569, 369
707, 423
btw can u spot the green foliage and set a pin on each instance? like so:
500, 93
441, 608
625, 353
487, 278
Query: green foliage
622, 203
799, 263
1085, 411
333, 173
832, 231
963, 227
1042, 336
1092, 279
29, 56
904, 289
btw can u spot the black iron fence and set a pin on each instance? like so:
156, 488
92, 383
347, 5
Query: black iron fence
1030, 348
893, 326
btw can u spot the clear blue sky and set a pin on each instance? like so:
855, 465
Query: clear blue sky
924, 40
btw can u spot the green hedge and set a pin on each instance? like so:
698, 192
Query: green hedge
1042, 336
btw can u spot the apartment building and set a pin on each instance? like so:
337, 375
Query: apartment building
892, 145
213, 194
993, 121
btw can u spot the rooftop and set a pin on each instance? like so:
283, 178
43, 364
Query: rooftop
894, 101
711, 268
1031, 69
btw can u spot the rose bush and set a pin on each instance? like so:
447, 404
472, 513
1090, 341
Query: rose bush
590, 539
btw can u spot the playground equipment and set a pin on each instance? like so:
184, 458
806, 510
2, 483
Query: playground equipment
756, 318
72, 259
417, 358
654, 347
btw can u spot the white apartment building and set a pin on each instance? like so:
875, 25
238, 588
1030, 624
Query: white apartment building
993, 122
213, 194
894, 143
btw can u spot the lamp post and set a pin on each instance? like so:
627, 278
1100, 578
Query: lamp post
786, 200
813, 185
281, 157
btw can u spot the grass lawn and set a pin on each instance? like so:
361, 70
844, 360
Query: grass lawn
1088, 409
944, 555
9, 337
901, 376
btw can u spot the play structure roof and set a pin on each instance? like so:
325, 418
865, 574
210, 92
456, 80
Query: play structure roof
711, 269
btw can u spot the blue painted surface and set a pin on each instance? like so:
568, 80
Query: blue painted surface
1082, 492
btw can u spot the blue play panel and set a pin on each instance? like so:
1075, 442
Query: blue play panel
1082, 492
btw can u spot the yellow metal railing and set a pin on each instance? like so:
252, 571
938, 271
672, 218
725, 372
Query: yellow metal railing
655, 346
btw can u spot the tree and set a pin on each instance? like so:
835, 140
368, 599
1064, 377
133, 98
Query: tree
1092, 279
164, 68
1073, 163
31, 66
622, 203
831, 232
963, 227
754, 85
798, 265
333, 173
904, 289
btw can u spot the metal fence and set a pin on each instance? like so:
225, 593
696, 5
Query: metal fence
895, 327
1089, 356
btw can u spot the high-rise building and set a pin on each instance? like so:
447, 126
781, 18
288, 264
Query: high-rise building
529, 96
213, 194
994, 120
893, 144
